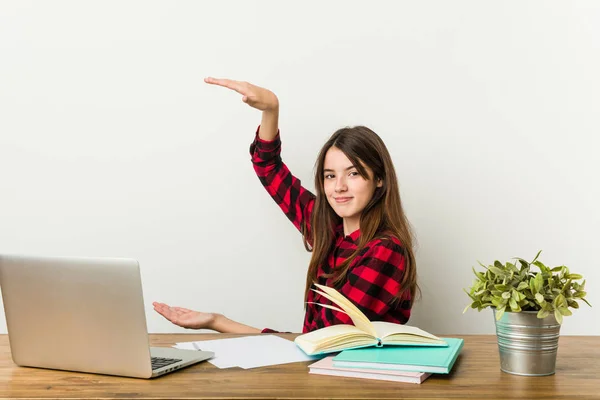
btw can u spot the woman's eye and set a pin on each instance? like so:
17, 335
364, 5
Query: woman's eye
353, 173
329, 176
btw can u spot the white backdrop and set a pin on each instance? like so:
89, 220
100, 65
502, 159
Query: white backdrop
112, 145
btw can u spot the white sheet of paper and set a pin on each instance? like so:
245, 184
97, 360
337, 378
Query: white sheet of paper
249, 351
219, 347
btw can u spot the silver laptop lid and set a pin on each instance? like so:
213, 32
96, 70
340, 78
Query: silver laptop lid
77, 314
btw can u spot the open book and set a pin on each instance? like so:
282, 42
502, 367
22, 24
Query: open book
364, 333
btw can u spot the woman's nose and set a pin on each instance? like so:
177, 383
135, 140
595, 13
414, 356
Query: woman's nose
340, 185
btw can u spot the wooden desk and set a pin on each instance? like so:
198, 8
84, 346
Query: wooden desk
476, 374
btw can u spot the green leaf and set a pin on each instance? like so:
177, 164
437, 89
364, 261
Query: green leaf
499, 313
497, 271
542, 314
478, 274
558, 316
521, 260
515, 295
524, 265
532, 285
536, 256
573, 303
470, 295
522, 286
506, 295
564, 311
538, 282
529, 295
539, 298
541, 266
497, 302
560, 301
586, 302
574, 276
513, 305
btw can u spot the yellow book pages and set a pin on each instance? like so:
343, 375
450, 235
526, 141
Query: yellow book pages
358, 318
390, 332
334, 336
340, 300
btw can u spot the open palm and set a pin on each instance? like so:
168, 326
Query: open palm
184, 317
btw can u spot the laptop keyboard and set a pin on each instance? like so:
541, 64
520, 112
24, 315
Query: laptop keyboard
159, 362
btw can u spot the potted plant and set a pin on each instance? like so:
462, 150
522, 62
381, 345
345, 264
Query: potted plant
529, 307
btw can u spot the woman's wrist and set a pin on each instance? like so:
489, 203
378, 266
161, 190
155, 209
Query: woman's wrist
216, 322
269, 124
223, 324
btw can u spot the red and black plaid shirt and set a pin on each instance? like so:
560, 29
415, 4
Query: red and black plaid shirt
374, 276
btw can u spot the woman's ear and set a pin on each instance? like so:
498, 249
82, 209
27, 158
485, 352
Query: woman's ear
379, 182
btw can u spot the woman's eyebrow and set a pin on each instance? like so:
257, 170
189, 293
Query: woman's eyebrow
347, 169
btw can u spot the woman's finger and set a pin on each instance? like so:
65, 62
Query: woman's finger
164, 310
238, 86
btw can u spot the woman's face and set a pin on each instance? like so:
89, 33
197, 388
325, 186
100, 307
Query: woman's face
348, 193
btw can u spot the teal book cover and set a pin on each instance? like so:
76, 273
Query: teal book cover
325, 352
437, 360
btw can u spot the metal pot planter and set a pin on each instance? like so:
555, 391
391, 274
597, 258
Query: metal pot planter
527, 344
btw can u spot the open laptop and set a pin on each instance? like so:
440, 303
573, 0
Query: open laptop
82, 314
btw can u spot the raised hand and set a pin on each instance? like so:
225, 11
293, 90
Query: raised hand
255, 96
184, 317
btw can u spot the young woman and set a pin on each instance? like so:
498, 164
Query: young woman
355, 226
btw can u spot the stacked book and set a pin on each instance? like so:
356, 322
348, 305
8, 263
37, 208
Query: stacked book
400, 363
376, 350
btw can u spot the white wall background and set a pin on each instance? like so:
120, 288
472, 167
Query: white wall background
112, 145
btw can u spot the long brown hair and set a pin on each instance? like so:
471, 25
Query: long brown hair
383, 215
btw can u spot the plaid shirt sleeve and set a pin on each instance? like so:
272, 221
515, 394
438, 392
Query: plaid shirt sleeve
374, 281
294, 200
